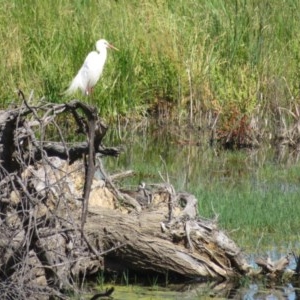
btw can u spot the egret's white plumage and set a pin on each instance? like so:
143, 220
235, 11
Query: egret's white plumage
91, 70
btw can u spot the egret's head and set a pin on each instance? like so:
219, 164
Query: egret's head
103, 44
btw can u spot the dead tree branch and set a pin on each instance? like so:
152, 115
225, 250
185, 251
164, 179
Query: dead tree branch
36, 195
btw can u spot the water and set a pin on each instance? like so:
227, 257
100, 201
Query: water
183, 156
203, 291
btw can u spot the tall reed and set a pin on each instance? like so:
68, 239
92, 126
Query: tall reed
197, 55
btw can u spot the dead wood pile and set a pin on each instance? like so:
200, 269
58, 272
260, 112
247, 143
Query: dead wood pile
62, 218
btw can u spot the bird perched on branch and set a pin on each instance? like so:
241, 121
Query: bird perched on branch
91, 70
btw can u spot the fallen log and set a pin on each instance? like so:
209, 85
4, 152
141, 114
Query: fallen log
190, 247
61, 222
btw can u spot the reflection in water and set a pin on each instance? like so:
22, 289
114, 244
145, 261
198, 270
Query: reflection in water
285, 292
205, 291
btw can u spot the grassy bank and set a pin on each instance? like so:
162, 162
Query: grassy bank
197, 55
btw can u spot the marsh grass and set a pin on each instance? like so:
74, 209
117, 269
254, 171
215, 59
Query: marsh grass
254, 197
259, 208
264, 216
197, 55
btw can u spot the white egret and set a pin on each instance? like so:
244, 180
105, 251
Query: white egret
91, 70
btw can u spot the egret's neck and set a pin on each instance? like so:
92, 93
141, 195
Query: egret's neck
103, 52
102, 55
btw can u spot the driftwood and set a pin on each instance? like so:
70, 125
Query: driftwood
61, 222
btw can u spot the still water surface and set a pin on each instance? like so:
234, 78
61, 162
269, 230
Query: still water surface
249, 291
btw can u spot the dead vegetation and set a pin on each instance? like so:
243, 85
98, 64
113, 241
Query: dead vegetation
276, 125
62, 219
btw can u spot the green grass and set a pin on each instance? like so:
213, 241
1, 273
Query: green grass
214, 52
256, 201
257, 217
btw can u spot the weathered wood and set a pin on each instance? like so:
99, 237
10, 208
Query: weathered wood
272, 268
192, 247
16, 132
59, 222
34, 199
145, 248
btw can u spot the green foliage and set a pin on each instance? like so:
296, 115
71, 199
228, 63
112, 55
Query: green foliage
226, 51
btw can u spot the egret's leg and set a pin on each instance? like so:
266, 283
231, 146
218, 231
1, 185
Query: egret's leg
89, 91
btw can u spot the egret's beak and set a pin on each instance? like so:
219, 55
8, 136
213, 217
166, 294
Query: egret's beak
113, 47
